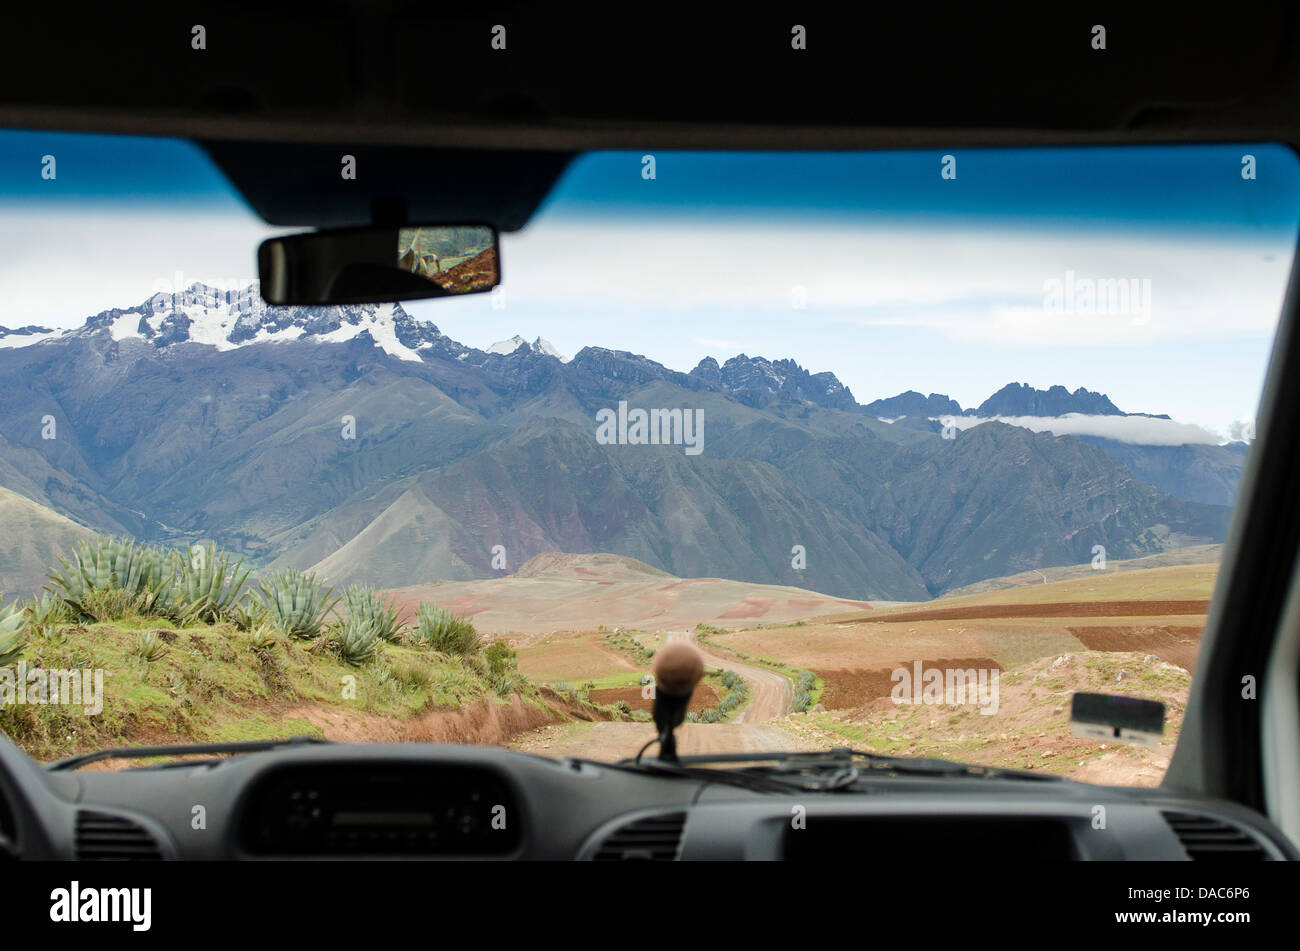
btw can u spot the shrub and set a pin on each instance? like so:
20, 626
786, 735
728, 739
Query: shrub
296, 603
457, 680
445, 632
414, 673
622, 706
500, 658
507, 683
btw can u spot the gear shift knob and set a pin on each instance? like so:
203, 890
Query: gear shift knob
678, 667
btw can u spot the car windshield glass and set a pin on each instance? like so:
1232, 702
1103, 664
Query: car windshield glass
915, 446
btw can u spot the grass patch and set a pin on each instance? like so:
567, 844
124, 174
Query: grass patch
733, 692
626, 643
164, 682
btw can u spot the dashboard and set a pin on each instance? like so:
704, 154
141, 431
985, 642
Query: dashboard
424, 801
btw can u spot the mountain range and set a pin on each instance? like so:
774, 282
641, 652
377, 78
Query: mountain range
369, 446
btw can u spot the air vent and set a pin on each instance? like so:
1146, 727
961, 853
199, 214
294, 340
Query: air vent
104, 837
652, 839
1207, 839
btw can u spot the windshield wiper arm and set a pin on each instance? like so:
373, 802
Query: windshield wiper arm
191, 749
848, 765
758, 782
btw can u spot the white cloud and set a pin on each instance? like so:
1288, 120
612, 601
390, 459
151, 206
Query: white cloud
59, 267
934, 307
1140, 430
728, 345
964, 283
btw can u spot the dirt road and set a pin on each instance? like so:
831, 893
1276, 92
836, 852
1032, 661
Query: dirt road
770, 697
770, 694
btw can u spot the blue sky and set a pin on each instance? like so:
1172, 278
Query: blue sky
1131, 189
908, 280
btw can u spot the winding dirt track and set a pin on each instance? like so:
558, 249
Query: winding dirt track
770, 697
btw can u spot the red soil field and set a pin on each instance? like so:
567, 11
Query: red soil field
703, 698
846, 689
1173, 644
1050, 609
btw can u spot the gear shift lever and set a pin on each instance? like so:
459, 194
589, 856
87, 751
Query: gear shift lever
678, 667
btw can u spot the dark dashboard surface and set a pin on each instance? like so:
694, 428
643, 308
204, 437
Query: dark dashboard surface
416, 801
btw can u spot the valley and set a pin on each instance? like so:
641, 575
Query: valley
1134, 632
368, 446
813, 547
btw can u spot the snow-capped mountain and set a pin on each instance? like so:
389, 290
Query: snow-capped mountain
23, 336
207, 413
540, 345
230, 319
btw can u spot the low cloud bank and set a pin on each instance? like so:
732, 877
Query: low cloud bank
1139, 430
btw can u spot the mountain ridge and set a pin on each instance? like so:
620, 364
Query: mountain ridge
394, 455
229, 319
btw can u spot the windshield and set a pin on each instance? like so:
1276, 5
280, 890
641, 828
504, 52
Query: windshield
914, 446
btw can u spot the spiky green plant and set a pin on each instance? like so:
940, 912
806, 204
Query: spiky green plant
261, 637
507, 683
13, 633
149, 647
46, 613
357, 638
443, 631
205, 586
109, 577
297, 603
364, 602
249, 614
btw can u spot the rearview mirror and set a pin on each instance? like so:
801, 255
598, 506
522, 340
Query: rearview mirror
372, 265
1101, 716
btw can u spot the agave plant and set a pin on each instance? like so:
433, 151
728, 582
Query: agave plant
261, 637
149, 647
109, 576
47, 611
205, 586
443, 631
357, 637
13, 633
364, 603
249, 614
297, 603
